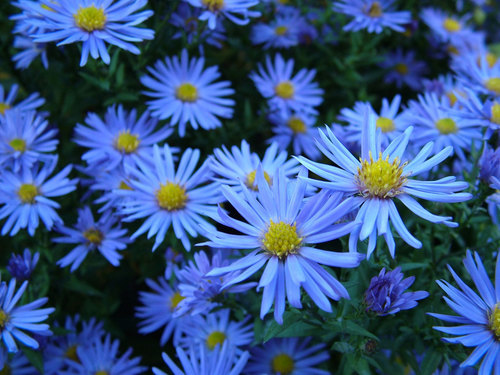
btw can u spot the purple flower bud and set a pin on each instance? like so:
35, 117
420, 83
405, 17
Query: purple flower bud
21, 267
489, 164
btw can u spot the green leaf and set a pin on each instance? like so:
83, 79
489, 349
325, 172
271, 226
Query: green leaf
82, 287
35, 358
430, 363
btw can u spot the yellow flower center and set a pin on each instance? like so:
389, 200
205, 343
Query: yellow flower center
123, 185
94, 236
284, 90
452, 50
171, 196
213, 5
280, 30
386, 124
451, 25
296, 124
27, 193
72, 354
491, 59
4, 107
283, 364
186, 92
495, 113
175, 299
375, 10
451, 97
493, 84
281, 239
494, 319
216, 337
380, 178
4, 318
446, 126
250, 181
101, 372
90, 18
6, 370
401, 68
18, 144
127, 142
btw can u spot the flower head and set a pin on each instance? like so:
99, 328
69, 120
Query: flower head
22, 266
236, 11
403, 69
32, 102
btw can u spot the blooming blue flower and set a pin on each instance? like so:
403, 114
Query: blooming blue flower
489, 164
199, 290
121, 138
373, 181
24, 197
17, 364
200, 361
386, 293
291, 356
186, 94
281, 227
95, 23
236, 11
444, 85
447, 28
7, 101
25, 139
21, 267
404, 69
478, 315
166, 196
373, 15
14, 320
29, 52
90, 235
480, 73
240, 165
215, 328
284, 92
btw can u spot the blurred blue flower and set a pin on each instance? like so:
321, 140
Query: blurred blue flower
489, 164
372, 15
480, 73
18, 364
403, 69
292, 356
284, 92
280, 228
29, 52
24, 197
186, 94
447, 28
372, 182
22, 266
32, 102
169, 197
478, 315
95, 23
235, 10
90, 235
386, 293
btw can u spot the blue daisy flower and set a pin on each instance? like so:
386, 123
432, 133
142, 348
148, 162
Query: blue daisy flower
14, 320
372, 15
199, 290
478, 315
158, 310
17, 364
386, 293
404, 69
447, 28
121, 138
166, 196
25, 139
95, 23
379, 176
32, 102
444, 85
479, 73
489, 164
280, 228
290, 356
24, 197
90, 235
240, 165
435, 120
236, 11
216, 328
187, 94
284, 91
29, 52
22, 266
295, 128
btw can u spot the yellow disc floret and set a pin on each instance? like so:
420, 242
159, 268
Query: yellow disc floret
495, 113
375, 10
284, 90
4, 318
216, 337
451, 25
175, 299
250, 180
27, 193
127, 142
493, 84
124, 186
101, 372
401, 68
282, 364
491, 59
72, 354
18, 144
90, 18
281, 239
186, 92
296, 124
94, 236
380, 178
385, 124
494, 319
4, 107
171, 196
213, 5
446, 126
280, 30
